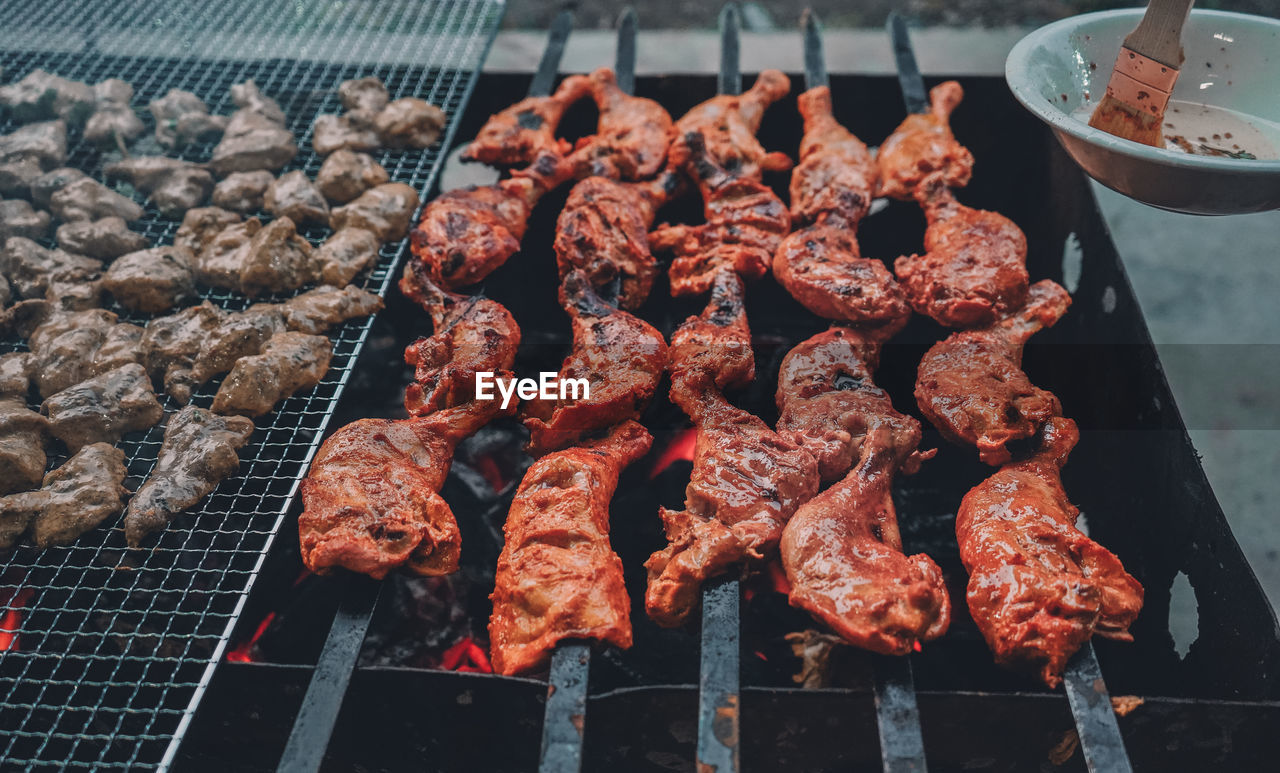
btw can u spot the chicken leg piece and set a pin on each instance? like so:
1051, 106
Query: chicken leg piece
1038, 587
729, 123
631, 138
526, 130
836, 174
558, 577
923, 144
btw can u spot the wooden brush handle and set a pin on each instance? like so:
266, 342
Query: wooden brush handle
1159, 35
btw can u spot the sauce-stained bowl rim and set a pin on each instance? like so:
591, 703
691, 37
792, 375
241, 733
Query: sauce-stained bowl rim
1018, 74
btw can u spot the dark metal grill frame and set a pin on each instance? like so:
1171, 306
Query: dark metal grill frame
115, 648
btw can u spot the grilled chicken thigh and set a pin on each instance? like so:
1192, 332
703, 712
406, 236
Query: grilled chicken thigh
525, 131
923, 144
631, 138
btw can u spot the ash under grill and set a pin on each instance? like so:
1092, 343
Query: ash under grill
106, 652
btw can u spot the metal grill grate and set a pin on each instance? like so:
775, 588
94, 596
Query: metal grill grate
108, 651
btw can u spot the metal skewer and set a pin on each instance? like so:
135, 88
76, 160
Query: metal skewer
910, 80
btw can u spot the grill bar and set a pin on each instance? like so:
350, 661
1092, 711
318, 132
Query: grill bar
1100, 739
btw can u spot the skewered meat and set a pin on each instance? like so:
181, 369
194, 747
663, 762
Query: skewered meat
36, 272
42, 95
409, 122
76, 497
201, 225
16, 177
371, 501
352, 131
525, 131
974, 269
728, 124
836, 175
71, 347
294, 196
315, 311
88, 199
255, 137
620, 358
386, 210
152, 280
173, 186
923, 144
243, 191
104, 408
46, 142
345, 174
198, 451
971, 385
747, 480
345, 254
1038, 587
558, 577
603, 231
17, 218
113, 120
22, 439
368, 94
220, 262
463, 235
470, 334
632, 137
278, 259
289, 362
186, 349
842, 551
183, 118
745, 224
49, 183
103, 239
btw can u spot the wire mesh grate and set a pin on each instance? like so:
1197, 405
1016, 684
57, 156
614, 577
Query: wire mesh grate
105, 652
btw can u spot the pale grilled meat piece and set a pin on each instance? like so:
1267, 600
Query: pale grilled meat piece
46, 142
88, 199
409, 122
202, 224
17, 175
113, 120
35, 272
386, 210
41, 95
294, 196
367, 93
243, 192
289, 362
152, 280
345, 174
186, 349
173, 186
104, 408
15, 374
198, 451
85, 491
317, 310
278, 259
70, 347
104, 239
222, 259
247, 96
23, 433
17, 218
255, 137
353, 131
49, 183
183, 118
345, 254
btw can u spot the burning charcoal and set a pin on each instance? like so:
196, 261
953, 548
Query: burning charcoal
345, 254
41, 95
222, 260
243, 191
248, 97
45, 142
173, 186
103, 408
151, 280
290, 362
353, 131
16, 177
367, 94
344, 175
89, 199
32, 269
22, 439
49, 183
278, 259
113, 119
17, 218
294, 196
384, 210
183, 118
15, 374
70, 347
315, 311
104, 239
409, 123
201, 225
199, 450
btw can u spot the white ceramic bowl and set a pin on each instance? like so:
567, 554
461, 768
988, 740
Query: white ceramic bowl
1232, 61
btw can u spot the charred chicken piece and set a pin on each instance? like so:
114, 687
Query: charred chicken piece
201, 225
183, 118
22, 439
620, 359
104, 239
631, 139
526, 131
242, 192
198, 451
558, 577
88, 199
46, 142
345, 174
76, 497
409, 123
923, 144
315, 311
729, 122
104, 408
745, 224
1038, 587
41, 95
294, 196
971, 385
17, 218
345, 254
289, 362
842, 551
386, 210
836, 176
113, 120
371, 501
171, 185
470, 334
603, 231
69, 347
151, 280
974, 270
747, 480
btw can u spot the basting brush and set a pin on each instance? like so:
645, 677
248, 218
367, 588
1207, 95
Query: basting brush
1146, 70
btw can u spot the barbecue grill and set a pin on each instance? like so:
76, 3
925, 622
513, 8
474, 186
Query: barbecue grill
1135, 475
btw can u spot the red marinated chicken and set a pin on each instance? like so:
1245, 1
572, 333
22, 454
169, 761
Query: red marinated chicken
971, 385
620, 358
470, 335
974, 269
371, 501
836, 177
527, 130
631, 138
729, 123
923, 144
1038, 587
747, 480
558, 577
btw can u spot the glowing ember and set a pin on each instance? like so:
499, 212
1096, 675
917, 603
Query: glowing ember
917, 646
680, 449
489, 470
778, 577
11, 622
243, 653
468, 656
